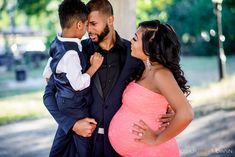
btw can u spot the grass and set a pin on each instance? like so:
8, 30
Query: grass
18, 100
226, 104
14, 92
214, 97
213, 92
24, 106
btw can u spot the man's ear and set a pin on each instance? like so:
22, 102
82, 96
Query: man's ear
110, 20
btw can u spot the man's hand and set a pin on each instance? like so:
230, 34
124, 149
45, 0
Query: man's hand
85, 127
166, 118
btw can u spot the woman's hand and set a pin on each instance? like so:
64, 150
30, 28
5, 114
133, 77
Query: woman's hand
145, 134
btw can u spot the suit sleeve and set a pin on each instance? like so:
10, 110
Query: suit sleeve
65, 122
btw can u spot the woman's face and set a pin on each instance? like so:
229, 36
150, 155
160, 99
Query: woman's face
137, 45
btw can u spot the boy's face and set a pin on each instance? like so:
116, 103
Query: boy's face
98, 27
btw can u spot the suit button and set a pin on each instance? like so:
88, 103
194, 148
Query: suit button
106, 106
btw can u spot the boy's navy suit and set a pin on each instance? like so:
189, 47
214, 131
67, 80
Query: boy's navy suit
71, 103
100, 108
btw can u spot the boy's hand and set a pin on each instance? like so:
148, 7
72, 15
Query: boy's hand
96, 60
85, 127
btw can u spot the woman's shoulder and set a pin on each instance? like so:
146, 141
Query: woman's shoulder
162, 76
161, 71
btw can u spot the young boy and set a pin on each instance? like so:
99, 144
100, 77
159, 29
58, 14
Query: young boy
67, 65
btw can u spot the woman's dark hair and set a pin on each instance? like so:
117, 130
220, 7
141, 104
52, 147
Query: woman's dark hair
71, 11
161, 44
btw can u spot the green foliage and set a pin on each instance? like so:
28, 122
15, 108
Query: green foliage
151, 9
39, 15
191, 13
3, 4
32, 7
190, 18
228, 25
44, 12
22, 106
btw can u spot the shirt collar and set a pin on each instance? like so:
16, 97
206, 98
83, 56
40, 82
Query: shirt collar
76, 40
119, 42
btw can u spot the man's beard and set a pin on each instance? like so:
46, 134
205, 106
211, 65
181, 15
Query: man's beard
103, 34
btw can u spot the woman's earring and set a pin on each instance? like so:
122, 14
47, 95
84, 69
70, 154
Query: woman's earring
148, 63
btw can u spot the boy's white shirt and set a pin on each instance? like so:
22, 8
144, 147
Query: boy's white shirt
71, 65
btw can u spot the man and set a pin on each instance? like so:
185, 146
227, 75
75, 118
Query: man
107, 84
109, 81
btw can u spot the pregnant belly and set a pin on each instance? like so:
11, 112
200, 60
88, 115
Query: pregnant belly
120, 134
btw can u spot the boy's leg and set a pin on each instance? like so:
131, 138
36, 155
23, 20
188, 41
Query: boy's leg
98, 146
83, 145
63, 145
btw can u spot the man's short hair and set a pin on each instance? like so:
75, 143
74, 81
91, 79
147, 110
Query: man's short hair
103, 6
71, 11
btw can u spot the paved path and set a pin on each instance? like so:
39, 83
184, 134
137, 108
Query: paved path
209, 136
30, 138
212, 135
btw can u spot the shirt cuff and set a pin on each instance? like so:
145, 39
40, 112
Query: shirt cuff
47, 73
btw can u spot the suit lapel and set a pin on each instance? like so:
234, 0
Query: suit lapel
98, 85
91, 48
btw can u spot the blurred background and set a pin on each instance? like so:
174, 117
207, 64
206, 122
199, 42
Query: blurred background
206, 32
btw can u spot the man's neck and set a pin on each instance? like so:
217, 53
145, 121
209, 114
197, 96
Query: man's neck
108, 42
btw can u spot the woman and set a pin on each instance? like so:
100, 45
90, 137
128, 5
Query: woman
134, 131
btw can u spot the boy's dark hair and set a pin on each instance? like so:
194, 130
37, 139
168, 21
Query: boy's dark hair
103, 6
71, 11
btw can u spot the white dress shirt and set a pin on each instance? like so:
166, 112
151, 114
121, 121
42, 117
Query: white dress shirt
71, 65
